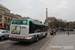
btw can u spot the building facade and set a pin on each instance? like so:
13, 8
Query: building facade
6, 16
49, 20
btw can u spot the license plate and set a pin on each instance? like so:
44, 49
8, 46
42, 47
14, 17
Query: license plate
17, 37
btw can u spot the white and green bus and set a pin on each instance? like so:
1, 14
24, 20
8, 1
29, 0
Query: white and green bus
27, 30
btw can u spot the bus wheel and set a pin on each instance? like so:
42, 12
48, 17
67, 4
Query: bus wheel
37, 39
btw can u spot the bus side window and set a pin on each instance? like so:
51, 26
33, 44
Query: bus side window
38, 31
31, 27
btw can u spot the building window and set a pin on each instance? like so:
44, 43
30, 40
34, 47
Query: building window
8, 19
5, 19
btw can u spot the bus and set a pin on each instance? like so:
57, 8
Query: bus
27, 30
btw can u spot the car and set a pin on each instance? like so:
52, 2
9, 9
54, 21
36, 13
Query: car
4, 34
71, 29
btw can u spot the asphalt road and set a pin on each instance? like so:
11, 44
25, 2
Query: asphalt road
14, 45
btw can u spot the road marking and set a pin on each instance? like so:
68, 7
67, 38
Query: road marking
4, 41
46, 43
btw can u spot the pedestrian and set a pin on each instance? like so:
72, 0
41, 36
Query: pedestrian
54, 31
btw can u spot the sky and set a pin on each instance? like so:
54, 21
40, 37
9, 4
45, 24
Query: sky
36, 9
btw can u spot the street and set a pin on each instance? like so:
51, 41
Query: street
15, 45
37, 25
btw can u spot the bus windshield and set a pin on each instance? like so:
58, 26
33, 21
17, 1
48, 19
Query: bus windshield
19, 22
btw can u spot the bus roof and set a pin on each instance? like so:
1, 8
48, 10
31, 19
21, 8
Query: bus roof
31, 21
38, 23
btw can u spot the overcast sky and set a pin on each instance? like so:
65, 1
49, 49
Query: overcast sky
36, 9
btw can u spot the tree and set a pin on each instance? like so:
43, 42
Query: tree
57, 23
6, 25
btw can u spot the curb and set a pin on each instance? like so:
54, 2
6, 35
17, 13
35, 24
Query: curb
46, 43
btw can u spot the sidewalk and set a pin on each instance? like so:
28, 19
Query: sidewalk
61, 42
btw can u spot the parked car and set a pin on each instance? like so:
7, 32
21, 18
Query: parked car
71, 29
4, 34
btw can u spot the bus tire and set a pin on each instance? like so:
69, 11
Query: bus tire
37, 39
